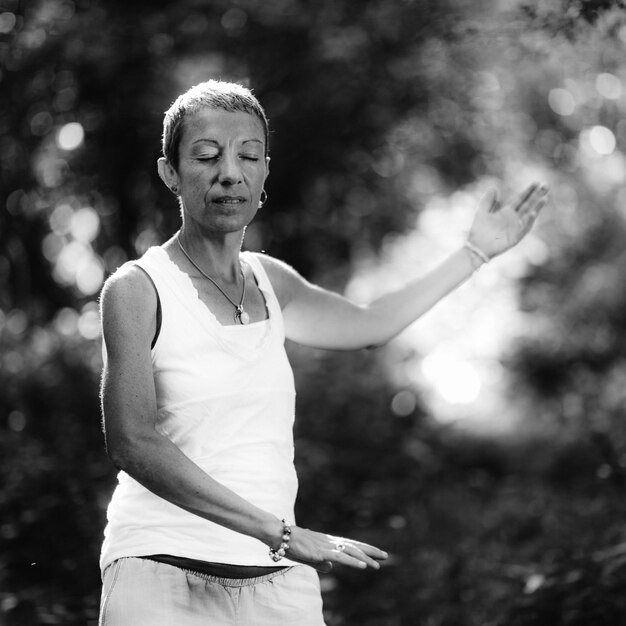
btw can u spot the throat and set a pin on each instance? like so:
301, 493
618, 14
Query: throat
240, 315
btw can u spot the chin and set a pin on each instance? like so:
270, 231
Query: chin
227, 226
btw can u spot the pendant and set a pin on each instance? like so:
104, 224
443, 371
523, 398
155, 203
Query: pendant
241, 316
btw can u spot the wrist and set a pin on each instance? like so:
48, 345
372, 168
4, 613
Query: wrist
271, 532
478, 256
277, 553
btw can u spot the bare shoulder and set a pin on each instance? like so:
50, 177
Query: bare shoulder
127, 285
128, 306
276, 268
286, 281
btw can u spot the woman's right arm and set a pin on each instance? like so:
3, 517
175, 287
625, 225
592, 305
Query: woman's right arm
128, 312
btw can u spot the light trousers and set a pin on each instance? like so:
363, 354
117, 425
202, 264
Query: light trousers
141, 592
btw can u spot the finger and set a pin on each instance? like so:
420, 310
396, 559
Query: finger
489, 202
495, 203
345, 558
371, 551
534, 208
527, 221
530, 217
538, 200
355, 553
532, 201
369, 555
352, 550
526, 194
495, 207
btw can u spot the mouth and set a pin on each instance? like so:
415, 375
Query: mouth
229, 200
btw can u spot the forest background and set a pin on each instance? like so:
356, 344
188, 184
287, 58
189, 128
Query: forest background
485, 447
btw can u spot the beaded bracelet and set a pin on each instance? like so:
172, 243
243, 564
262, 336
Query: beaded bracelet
476, 251
277, 555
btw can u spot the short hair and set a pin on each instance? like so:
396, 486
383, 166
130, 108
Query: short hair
212, 94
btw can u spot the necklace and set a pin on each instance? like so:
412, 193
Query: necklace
240, 315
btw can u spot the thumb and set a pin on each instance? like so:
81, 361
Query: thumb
489, 202
324, 567
321, 566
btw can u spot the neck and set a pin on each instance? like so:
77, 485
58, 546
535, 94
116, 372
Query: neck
218, 256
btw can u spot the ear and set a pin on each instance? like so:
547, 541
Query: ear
267, 168
168, 174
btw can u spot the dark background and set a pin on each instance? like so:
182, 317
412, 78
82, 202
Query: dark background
379, 109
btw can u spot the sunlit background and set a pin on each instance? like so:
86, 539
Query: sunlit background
484, 447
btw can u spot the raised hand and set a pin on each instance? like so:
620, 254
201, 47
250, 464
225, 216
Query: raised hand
497, 227
321, 551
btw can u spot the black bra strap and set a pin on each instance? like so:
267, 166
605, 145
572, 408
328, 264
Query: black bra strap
159, 314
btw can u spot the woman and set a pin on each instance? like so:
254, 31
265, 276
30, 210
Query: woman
197, 393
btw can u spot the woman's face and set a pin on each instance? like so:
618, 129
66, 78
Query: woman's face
222, 168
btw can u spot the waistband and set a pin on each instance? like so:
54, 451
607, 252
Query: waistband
217, 571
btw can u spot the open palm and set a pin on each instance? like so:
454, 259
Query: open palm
497, 227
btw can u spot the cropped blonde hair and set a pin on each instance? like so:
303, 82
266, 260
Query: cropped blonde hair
212, 94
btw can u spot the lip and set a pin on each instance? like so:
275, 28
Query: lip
228, 200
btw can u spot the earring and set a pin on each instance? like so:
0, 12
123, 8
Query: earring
174, 189
263, 199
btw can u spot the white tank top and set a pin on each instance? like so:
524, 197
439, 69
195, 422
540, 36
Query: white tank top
225, 396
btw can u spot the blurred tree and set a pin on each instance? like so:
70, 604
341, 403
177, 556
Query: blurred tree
84, 85
378, 108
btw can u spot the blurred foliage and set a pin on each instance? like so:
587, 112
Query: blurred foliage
480, 531
378, 109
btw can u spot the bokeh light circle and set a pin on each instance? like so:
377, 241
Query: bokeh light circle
70, 136
561, 101
602, 140
609, 86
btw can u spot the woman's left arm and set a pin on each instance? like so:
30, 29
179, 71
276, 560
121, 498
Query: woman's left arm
319, 318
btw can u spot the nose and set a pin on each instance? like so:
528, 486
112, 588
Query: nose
230, 172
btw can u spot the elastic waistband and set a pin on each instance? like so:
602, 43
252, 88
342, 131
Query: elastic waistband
219, 570
234, 582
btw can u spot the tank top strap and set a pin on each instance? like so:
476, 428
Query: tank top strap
176, 292
161, 271
265, 285
155, 265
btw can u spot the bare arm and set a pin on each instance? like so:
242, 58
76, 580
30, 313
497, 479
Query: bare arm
322, 319
129, 407
128, 310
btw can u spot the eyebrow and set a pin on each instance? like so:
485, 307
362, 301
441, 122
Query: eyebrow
213, 141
